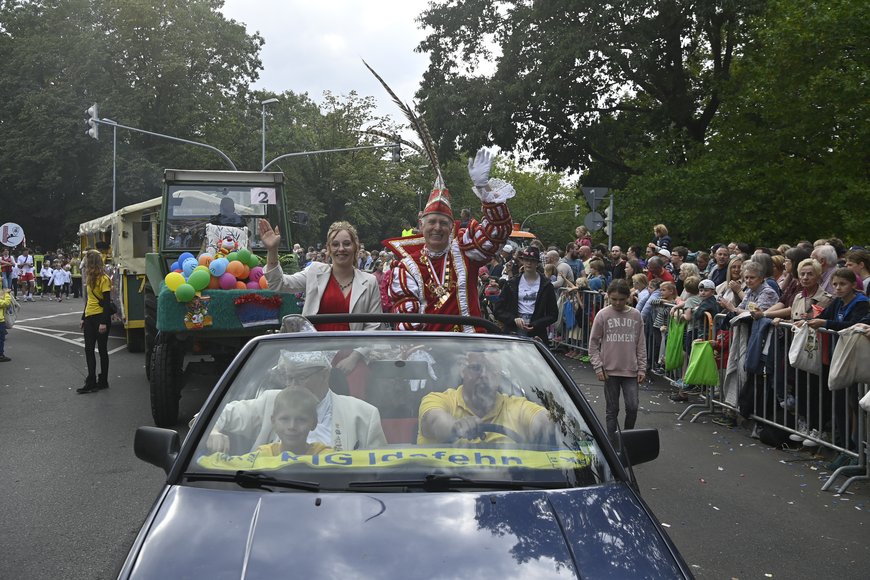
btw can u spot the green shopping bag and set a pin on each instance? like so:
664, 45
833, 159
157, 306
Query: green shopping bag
702, 368
674, 346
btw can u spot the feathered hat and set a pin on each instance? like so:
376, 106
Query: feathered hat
439, 199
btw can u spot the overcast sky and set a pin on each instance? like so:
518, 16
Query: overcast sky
316, 45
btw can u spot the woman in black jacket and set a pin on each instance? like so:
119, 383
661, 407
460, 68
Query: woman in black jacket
527, 305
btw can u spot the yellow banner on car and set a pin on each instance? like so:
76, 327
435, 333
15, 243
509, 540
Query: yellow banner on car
429, 457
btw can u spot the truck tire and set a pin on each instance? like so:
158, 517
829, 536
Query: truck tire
165, 381
150, 331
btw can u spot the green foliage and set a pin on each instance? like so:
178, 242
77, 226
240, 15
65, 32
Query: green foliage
171, 67
787, 157
578, 82
724, 120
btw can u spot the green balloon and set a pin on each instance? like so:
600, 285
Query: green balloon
199, 279
253, 261
232, 256
185, 293
244, 255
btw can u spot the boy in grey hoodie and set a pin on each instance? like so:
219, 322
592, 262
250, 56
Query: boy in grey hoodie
617, 349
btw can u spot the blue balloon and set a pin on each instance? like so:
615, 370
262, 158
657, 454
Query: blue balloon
175, 266
188, 265
184, 257
218, 266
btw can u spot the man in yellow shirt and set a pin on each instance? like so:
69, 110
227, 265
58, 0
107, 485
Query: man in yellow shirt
457, 414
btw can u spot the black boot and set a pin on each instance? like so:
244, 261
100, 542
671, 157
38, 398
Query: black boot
102, 383
90, 386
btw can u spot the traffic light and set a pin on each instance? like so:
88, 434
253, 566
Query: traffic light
396, 150
608, 221
576, 210
93, 117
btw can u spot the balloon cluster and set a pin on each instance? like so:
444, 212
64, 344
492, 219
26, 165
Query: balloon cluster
239, 270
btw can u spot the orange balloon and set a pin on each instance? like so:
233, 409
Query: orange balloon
235, 268
263, 283
246, 272
241, 285
205, 260
214, 283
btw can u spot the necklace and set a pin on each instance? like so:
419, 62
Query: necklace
341, 286
439, 286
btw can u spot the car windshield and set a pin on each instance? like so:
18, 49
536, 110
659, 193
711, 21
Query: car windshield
191, 207
399, 411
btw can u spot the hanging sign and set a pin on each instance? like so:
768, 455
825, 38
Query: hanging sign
11, 234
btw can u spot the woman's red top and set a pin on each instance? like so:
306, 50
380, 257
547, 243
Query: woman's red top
333, 301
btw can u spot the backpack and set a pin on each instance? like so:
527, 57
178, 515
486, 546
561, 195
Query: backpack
12, 312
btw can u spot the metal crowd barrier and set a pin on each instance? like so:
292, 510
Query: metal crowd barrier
585, 304
788, 398
778, 394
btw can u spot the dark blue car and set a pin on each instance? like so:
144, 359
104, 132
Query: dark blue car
398, 455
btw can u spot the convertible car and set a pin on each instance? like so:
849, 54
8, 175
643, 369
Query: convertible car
398, 455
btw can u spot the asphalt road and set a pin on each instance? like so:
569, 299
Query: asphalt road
737, 508
74, 495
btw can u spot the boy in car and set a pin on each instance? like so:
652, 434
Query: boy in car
293, 417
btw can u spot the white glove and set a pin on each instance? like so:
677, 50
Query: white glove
478, 168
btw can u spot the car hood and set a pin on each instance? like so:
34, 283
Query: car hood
603, 531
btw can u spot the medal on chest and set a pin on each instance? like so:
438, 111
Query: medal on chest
439, 286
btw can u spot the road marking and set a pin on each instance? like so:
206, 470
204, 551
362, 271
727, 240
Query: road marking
58, 335
49, 316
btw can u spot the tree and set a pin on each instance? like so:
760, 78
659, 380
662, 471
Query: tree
787, 157
579, 82
355, 186
170, 67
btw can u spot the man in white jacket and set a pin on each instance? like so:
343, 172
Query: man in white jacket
344, 423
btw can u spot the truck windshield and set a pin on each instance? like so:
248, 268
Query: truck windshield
192, 206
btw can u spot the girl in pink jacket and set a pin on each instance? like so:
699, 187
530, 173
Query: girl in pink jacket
617, 350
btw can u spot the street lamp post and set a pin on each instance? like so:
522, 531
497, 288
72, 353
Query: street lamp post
523, 225
321, 151
263, 116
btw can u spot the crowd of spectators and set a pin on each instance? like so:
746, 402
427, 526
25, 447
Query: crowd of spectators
821, 283
30, 275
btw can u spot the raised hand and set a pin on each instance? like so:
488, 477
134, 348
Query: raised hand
479, 167
270, 238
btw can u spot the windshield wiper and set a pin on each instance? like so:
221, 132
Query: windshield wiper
256, 480
434, 482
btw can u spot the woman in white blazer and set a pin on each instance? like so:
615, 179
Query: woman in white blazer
338, 287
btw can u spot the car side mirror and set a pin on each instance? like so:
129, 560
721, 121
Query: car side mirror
157, 446
640, 445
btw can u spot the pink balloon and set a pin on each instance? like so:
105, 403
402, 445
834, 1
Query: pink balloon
256, 274
227, 281
253, 285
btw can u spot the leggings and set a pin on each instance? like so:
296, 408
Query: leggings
94, 337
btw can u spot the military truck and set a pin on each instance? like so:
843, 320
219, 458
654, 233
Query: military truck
208, 212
